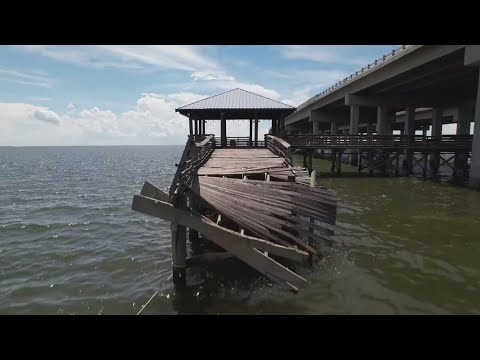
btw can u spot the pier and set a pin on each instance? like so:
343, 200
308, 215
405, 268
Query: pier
387, 154
243, 195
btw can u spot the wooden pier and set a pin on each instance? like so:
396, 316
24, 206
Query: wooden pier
248, 200
382, 153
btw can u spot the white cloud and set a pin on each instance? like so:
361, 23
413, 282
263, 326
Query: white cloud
321, 77
206, 75
26, 78
219, 80
71, 107
338, 54
40, 98
152, 120
181, 98
46, 115
300, 96
180, 57
80, 55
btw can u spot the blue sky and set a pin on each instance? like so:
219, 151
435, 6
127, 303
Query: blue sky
126, 94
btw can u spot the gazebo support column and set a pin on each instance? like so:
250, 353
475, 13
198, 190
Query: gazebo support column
223, 128
250, 137
256, 130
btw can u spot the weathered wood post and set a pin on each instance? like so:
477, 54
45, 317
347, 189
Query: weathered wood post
179, 248
256, 129
333, 156
425, 161
397, 164
250, 137
310, 157
339, 162
311, 230
371, 162
190, 125
192, 234
223, 128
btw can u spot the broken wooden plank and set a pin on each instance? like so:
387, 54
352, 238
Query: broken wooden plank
243, 247
211, 230
150, 190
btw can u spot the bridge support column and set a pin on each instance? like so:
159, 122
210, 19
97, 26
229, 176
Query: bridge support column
410, 132
353, 130
315, 126
384, 127
463, 128
437, 115
333, 127
384, 120
474, 181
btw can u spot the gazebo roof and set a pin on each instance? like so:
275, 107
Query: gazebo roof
236, 99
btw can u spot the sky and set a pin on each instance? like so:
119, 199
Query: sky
127, 94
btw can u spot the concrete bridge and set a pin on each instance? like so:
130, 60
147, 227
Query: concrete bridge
415, 88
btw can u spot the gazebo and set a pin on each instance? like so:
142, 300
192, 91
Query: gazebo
236, 104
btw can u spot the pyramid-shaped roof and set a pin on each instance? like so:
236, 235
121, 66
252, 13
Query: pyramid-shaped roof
236, 99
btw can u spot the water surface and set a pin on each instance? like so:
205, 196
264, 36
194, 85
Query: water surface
70, 243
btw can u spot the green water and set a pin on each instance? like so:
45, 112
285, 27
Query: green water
412, 246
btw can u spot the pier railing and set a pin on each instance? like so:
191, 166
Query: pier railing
279, 147
386, 142
197, 151
240, 141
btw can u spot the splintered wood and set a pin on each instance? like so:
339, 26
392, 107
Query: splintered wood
275, 211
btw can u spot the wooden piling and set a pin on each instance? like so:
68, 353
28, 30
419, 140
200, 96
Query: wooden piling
371, 162
339, 162
397, 164
179, 253
311, 230
333, 156
310, 166
425, 161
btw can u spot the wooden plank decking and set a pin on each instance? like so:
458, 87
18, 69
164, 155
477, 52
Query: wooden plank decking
240, 162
